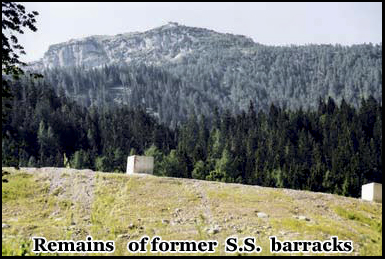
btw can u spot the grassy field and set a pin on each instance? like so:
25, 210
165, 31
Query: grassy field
63, 204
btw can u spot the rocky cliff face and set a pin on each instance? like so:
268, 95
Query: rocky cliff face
168, 43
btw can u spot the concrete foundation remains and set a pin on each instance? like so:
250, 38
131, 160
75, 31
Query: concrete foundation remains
372, 192
140, 165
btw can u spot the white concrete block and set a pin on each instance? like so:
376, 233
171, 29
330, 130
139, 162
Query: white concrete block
372, 192
140, 165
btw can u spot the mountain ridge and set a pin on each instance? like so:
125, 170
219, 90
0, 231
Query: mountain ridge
174, 70
153, 44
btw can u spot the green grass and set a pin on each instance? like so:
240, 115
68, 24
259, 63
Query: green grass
354, 215
369, 229
26, 207
136, 206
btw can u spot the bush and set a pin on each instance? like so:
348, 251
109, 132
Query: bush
102, 164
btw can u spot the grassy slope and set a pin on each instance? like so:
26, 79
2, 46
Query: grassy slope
67, 204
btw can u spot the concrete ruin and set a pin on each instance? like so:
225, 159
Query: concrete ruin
372, 192
140, 165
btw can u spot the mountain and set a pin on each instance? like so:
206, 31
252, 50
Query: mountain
176, 70
69, 204
168, 43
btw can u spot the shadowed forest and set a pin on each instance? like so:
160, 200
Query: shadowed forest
334, 148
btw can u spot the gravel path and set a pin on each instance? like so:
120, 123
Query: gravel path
205, 205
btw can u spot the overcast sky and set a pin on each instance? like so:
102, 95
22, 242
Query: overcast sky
266, 23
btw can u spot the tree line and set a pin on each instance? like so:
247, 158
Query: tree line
333, 148
227, 78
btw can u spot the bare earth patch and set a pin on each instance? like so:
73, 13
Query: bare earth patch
69, 184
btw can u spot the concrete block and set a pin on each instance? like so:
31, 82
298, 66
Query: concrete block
140, 165
372, 192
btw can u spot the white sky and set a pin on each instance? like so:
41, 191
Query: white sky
266, 23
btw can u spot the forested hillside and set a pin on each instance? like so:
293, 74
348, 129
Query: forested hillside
174, 71
248, 140
334, 148
206, 105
